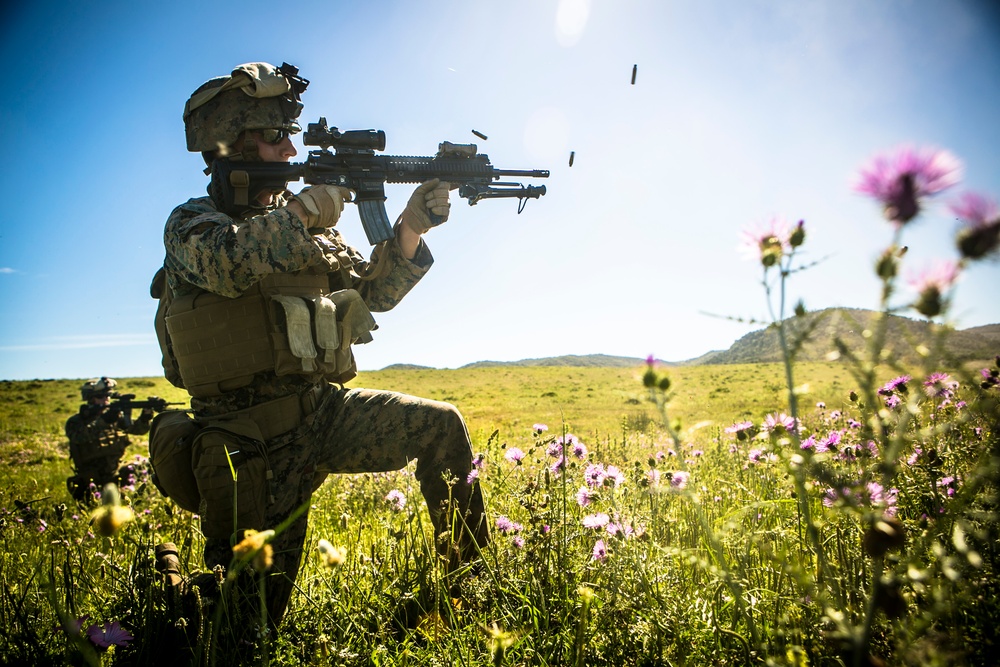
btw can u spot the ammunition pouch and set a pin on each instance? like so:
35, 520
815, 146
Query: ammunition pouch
170, 439
287, 324
219, 468
233, 477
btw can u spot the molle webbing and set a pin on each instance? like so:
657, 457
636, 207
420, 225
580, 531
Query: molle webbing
221, 343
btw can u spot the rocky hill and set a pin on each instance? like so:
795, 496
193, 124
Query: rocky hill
813, 334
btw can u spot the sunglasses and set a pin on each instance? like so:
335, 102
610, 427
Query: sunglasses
274, 136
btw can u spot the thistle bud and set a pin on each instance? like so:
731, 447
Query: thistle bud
798, 235
887, 265
929, 303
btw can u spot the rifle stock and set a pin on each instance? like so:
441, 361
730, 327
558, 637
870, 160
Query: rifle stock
354, 165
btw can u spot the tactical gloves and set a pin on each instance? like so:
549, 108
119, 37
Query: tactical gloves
429, 198
322, 204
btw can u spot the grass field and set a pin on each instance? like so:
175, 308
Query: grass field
698, 544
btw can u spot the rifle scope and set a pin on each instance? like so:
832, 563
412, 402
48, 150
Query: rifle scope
319, 134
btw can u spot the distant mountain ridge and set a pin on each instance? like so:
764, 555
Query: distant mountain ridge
763, 346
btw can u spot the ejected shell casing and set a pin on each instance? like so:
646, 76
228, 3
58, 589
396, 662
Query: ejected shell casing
480, 135
571, 154
635, 68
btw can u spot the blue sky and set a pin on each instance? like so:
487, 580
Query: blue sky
740, 111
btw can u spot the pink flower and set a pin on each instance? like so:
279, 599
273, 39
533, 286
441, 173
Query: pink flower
111, 634
599, 520
778, 422
539, 428
600, 553
594, 475
584, 496
614, 476
506, 526
396, 500
931, 285
768, 242
980, 235
900, 179
679, 479
514, 455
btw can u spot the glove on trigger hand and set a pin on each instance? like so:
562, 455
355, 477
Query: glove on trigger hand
429, 197
322, 204
111, 415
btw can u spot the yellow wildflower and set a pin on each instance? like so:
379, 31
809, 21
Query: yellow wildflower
255, 545
331, 556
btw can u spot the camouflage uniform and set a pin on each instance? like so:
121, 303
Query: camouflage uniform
96, 446
351, 430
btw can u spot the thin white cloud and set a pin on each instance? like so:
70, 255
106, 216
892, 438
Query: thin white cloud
83, 342
7, 269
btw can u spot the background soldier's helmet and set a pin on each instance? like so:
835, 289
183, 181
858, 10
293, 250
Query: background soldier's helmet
97, 388
256, 96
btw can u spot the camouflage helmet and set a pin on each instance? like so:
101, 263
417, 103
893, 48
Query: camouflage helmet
256, 96
97, 388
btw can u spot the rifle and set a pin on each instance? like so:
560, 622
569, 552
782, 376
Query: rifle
354, 165
126, 403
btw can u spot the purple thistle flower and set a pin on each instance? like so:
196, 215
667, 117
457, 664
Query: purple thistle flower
599, 520
472, 476
809, 443
614, 476
578, 449
555, 448
653, 477
594, 475
539, 428
768, 242
514, 455
902, 178
892, 401
739, 427
755, 455
558, 466
478, 461
517, 541
898, 383
396, 500
778, 422
949, 485
679, 479
980, 236
584, 496
939, 385
111, 634
932, 284
506, 526
600, 553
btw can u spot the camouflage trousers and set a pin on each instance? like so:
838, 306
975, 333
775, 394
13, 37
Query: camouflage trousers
366, 430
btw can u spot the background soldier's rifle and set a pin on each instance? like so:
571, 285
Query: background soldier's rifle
354, 165
125, 403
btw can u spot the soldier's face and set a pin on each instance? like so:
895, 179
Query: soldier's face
101, 400
282, 151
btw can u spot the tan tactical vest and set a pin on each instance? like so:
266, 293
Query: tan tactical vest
287, 323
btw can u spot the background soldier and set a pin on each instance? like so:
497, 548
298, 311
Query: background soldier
98, 437
258, 311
